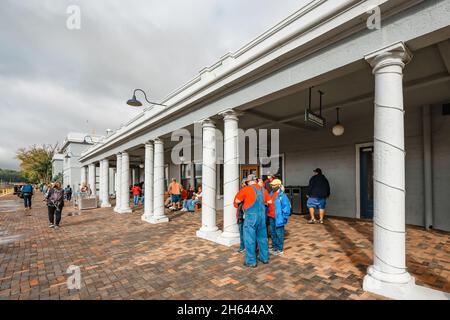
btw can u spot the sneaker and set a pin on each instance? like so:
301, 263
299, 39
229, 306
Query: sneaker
51, 225
56, 227
241, 250
249, 265
279, 253
264, 262
312, 221
273, 251
184, 210
321, 221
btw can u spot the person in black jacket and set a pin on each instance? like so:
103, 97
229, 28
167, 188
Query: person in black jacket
318, 192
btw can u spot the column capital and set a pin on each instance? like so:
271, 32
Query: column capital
158, 141
149, 143
230, 114
208, 123
396, 54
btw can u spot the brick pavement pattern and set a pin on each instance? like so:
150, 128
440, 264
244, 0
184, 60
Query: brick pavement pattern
122, 257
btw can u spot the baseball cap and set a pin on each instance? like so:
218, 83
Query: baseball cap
251, 177
275, 182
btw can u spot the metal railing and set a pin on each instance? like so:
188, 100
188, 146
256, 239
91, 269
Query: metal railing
6, 191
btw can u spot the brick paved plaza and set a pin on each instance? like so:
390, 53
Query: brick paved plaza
122, 257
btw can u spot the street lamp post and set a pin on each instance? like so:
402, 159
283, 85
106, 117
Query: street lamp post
136, 103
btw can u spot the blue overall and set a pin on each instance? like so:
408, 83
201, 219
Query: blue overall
255, 230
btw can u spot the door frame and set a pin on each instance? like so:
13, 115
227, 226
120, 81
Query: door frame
245, 166
358, 148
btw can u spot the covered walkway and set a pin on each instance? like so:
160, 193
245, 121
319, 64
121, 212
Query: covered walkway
123, 257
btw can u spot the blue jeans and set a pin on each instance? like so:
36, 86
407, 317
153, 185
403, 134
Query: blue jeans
255, 231
136, 200
27, 200
241, 236
277, 235
190, 204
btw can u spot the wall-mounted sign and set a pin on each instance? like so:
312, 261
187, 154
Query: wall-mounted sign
314, 119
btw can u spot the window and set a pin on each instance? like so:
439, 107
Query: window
185, 175
166, 176
197, 175
221, 179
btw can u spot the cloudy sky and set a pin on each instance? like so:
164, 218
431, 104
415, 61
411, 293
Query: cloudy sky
54, 80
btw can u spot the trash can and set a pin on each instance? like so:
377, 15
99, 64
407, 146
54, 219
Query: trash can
297, 198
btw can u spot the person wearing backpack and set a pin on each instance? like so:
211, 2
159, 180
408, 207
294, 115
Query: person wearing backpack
278, 213
27, 194
55, 204
68, 193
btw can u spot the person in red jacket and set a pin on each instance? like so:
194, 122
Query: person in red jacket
136, 193
254, 198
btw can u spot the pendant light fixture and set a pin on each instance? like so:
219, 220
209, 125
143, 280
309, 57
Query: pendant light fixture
338, 129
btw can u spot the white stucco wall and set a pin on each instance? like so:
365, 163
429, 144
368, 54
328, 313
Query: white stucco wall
440, 127
337, 158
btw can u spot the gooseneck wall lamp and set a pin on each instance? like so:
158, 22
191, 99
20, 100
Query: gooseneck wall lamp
136, 103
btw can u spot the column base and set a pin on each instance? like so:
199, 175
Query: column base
400, 291
228, 239
157, 219
116, 209
146, 217
124, 210
106, 205
209, 235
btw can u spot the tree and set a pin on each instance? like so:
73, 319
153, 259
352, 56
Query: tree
36, 163
7, 175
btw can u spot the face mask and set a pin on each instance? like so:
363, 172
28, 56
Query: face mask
275, 188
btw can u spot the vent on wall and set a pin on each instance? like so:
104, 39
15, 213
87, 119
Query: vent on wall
446, 109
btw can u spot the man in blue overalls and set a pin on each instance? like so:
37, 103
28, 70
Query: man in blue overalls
254, 198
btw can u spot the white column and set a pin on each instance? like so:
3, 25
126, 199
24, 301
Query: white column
209, 228
101, 183
83, 177
133, 176
158, 184
125, 184
148, 181
427, 166
92, 179
104, 173
118, 182
388, 275
230, 234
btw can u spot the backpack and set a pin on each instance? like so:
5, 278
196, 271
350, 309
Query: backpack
27, 188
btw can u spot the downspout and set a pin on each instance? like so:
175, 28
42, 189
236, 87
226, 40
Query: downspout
427, 166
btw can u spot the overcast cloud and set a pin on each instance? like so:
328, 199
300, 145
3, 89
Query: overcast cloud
54, 80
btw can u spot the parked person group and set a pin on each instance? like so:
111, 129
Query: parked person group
256, 206
192, 199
